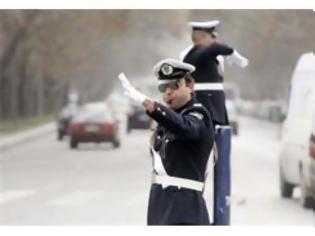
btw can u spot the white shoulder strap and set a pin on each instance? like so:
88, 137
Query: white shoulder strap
157, 163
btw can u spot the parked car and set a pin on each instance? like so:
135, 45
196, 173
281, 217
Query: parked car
137, 118
232, 97
270, 110
94, 122
233, 116
275, 112
296, 161
64, 119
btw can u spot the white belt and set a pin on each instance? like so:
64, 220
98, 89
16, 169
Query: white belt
208, 86
166, 181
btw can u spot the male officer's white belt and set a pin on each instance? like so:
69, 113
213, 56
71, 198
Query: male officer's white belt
208, 86
166, 180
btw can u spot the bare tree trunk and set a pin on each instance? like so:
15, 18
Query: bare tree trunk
7, 59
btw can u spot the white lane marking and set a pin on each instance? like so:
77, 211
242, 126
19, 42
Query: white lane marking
10, 195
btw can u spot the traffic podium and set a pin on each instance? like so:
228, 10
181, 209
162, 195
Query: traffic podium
222, 176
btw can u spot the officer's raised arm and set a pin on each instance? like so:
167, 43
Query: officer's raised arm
134, 94
177, 88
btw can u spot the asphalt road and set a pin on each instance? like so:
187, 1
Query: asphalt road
44, 182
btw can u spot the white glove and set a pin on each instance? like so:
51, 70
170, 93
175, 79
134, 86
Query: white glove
130, 91
238, 59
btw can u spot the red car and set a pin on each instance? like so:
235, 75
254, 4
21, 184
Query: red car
94, 122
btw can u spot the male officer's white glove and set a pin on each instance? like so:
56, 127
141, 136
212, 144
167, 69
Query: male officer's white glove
238, 59
130, 91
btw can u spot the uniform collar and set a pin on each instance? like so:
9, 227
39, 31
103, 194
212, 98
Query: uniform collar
188, 104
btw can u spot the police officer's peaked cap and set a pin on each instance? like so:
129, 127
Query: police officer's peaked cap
172, 69
206, 26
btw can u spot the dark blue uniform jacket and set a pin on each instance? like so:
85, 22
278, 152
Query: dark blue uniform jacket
204, 58
184, 139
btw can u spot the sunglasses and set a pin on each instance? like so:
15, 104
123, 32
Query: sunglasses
172, 85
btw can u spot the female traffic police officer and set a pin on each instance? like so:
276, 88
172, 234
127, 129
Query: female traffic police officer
180, 148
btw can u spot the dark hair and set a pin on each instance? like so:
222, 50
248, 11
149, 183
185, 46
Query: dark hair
214, 35
189, 79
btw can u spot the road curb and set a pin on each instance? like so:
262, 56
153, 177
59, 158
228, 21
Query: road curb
11, 140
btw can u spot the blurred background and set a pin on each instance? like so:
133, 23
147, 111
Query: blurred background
59, 95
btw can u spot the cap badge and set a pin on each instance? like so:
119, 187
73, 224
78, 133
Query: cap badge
167, 69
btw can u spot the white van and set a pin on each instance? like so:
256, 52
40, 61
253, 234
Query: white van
295, 161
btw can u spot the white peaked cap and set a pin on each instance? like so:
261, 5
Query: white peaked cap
204, 24
171, 68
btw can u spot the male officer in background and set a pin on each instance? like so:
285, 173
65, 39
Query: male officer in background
180, 147
205, 55
209, 73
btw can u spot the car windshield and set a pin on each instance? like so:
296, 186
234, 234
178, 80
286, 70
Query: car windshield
93, 114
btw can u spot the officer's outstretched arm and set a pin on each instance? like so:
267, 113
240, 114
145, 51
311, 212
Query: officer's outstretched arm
183, 126
238, 59
186, 127
215, 50
218, 49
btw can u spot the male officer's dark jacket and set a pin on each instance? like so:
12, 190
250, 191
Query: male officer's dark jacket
204, 58
183, 139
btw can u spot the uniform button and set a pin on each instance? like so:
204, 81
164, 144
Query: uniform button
158, 137
159, 109
163, 113
166, 140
